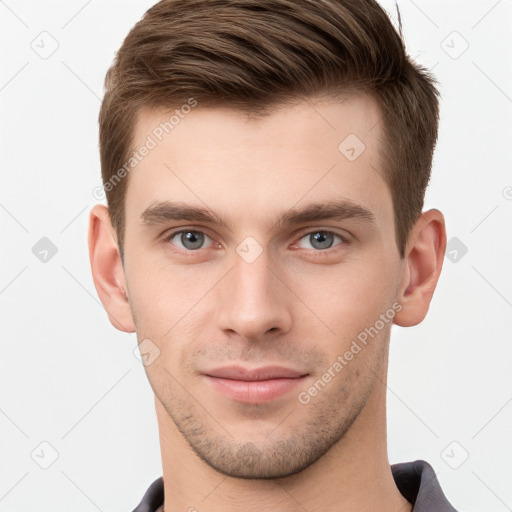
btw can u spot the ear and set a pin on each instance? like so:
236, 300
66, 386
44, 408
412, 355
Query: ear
107, 269
421, 267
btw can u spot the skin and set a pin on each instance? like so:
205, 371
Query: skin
296, 305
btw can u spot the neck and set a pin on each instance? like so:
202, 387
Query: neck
353, 475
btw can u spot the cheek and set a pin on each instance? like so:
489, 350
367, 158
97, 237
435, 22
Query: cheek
347, 298
170, 308
161, 293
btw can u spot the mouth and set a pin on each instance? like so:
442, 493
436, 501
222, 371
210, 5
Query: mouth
257, 385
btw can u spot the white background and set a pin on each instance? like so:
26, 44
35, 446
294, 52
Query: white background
71, 380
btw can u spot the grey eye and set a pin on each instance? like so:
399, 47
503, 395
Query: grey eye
190, 240
320, 240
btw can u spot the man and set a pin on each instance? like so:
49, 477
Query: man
265, 164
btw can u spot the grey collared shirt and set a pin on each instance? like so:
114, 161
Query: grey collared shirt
416, 481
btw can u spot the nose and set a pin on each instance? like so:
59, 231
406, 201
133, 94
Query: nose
253, 300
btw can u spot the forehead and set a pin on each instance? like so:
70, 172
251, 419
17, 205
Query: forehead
215, 157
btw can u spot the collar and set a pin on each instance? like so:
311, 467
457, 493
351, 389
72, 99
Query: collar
416, 481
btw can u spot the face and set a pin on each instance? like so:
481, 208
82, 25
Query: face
257, 252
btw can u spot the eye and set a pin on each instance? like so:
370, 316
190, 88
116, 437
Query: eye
189, 239
320, 240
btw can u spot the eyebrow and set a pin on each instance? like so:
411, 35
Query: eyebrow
164, 211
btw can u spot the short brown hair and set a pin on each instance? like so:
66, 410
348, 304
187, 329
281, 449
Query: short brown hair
250, 55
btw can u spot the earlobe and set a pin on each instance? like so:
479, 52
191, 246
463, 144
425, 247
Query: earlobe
421, 267
107, 269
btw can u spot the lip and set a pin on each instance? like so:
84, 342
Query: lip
256, 385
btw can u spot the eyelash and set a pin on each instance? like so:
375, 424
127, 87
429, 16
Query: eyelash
344, 240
